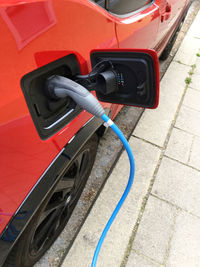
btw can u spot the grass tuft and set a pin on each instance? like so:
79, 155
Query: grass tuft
188, 80
191, 72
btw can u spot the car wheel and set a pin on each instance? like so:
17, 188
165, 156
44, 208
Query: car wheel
55, 211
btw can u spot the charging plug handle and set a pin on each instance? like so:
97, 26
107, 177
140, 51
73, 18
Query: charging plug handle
103, 78
60, 87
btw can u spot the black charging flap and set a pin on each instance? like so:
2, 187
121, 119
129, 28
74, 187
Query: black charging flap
138, 77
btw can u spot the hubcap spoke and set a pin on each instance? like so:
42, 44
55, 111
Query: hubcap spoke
82, 162
43, 231
50, 208
65, 184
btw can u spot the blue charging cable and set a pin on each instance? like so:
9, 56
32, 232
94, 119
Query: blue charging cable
60, 87
127, 189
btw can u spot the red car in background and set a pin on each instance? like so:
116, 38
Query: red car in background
41, 181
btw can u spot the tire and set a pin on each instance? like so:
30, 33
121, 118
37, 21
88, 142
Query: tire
55, 211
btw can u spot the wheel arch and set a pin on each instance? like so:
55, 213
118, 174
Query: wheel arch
45, 184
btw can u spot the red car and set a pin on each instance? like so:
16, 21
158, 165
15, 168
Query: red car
43, 175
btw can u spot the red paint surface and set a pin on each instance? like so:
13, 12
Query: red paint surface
168, 20
56, 27
139, 30
34, 33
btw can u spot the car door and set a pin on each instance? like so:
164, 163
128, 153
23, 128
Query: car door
170, 14
136, 22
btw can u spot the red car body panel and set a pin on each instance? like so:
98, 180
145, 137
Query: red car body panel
169, 21
139, 30
27, 44
170, 11
35, 33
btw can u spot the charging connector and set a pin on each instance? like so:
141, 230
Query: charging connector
103, 78
61, 87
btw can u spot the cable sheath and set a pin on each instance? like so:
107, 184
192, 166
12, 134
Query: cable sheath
126, 191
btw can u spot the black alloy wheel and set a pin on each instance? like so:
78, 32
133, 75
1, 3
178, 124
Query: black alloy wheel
55, 211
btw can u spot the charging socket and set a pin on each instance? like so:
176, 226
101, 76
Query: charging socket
50, 115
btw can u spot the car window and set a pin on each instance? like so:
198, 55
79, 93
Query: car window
100, 3
121, 7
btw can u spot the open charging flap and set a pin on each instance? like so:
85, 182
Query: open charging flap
137, 84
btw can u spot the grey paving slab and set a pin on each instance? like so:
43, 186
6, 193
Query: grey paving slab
194, 29
136, 260
179, 145
195, 153
189, 120
115, 244
195, 84
192, 99
178, 184
185, 243
184, 54
197, 69
155, 229
155, 124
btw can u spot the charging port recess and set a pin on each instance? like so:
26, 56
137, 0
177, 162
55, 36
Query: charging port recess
50, 115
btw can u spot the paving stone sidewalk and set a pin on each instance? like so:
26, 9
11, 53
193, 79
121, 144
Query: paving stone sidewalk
159, 224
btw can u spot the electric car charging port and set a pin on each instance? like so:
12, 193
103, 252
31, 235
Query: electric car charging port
122, 77
50, 115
